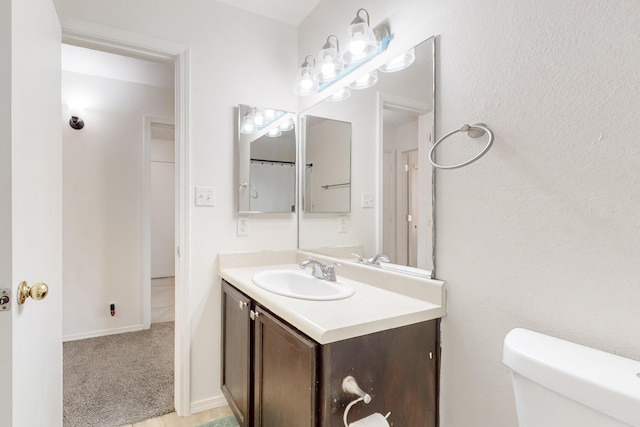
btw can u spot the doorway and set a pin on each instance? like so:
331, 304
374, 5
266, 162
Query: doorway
106, 176
405, 180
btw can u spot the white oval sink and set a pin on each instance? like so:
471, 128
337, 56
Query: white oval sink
301, 284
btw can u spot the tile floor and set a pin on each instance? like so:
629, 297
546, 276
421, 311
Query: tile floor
173, 420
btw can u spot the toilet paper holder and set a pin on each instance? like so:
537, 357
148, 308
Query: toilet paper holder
350, 385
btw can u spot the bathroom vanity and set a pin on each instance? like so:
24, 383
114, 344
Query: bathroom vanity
284, 359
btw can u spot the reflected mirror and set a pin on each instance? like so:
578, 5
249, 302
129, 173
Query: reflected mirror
327, 165
392, 124
266, 160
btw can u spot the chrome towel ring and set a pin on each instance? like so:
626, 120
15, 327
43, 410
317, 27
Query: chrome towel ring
473, 131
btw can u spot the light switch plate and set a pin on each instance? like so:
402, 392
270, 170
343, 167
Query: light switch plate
205, 196
367, 200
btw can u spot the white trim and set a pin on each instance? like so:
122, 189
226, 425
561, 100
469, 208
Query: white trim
206, 404
115, 40
148, 122
400, 103
102, 333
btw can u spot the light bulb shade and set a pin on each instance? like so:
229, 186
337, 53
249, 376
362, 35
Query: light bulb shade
305, 84
286, 125
328, 63
340, 95
258, 117
400, 62
365, 81
360, 41
248, 125
274, 132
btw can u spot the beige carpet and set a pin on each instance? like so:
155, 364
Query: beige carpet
119, 379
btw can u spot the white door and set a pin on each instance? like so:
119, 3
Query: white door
31, 213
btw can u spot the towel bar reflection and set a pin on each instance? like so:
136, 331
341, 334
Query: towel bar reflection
474, 131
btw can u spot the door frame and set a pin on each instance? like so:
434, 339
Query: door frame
115, 40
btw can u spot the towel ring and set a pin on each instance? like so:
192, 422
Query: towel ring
473, 131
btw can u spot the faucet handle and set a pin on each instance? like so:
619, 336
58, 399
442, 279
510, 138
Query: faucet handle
330, 271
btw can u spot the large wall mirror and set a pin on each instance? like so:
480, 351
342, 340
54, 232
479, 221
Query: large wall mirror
266, 160
391, 181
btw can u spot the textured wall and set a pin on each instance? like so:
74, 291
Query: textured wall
544, 231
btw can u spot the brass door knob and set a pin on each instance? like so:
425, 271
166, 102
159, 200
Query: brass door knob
37, 292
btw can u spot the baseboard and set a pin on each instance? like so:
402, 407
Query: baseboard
206, 404
102, 333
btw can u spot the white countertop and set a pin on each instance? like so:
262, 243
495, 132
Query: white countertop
371, 309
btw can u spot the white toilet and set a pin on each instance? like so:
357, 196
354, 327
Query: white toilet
561, 384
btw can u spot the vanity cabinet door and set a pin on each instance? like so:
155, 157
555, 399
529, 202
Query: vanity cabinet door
236, 353
285, 364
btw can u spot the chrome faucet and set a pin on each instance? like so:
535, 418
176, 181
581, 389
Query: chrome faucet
378, 258
321, 271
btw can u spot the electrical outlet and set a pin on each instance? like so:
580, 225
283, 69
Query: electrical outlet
342, 224
243, 226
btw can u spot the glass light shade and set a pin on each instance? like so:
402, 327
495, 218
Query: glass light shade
258, 117
248, 126
286, 125
340, 95
400, 62
269, 113
274, 132
305, 84
328, 63
365, 81
360, 43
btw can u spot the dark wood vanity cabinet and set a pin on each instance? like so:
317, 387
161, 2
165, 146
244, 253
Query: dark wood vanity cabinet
268, 368
274, 375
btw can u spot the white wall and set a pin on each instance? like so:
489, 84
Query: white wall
543, 231
236, 58
102, 193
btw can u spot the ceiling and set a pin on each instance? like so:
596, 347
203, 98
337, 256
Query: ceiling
291, 12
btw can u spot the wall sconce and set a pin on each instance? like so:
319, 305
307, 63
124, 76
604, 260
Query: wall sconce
76, 111
360, 41
328, 65
305, 84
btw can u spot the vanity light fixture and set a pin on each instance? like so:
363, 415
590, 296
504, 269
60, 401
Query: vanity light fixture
360, 41
305, 84
400, 62
328, 63
340, 95
365, 81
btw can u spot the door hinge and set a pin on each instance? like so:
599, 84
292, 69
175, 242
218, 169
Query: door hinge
409, 218
178, 250
5, 299
406, 168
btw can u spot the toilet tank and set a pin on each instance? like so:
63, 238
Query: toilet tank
562, 384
